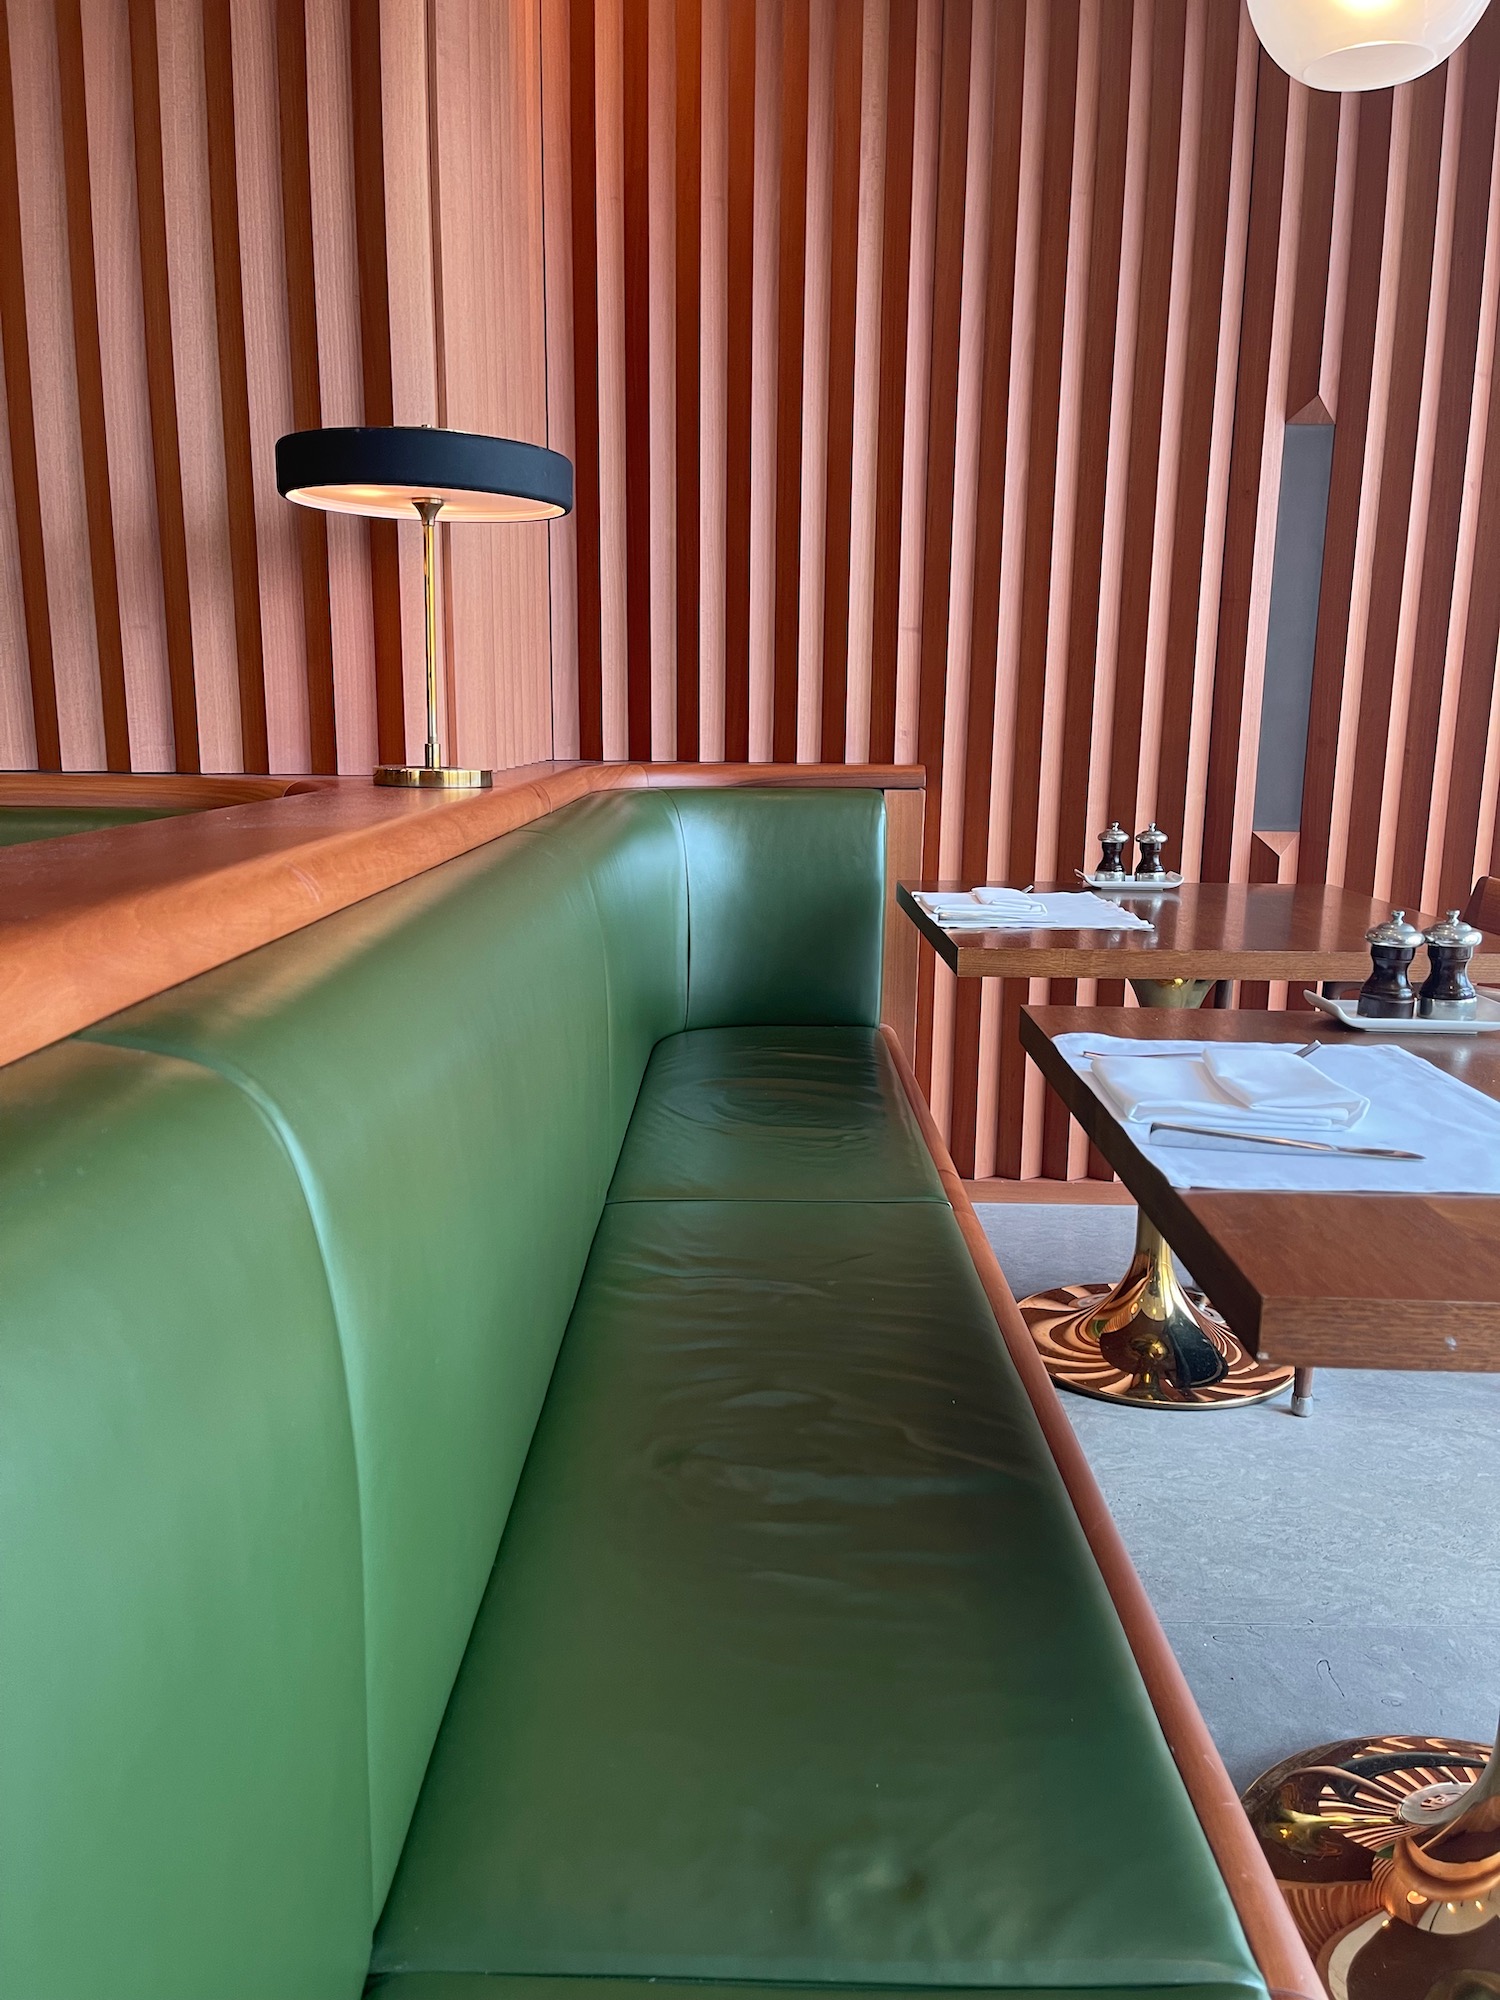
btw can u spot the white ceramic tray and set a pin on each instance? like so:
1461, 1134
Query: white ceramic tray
1485, 1022
1127, 885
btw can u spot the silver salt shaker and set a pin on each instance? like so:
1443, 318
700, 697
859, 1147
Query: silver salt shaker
1447, 993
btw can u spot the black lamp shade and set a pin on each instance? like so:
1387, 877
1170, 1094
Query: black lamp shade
386, 471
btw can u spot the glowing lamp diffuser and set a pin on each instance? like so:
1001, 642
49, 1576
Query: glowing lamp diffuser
1362, 44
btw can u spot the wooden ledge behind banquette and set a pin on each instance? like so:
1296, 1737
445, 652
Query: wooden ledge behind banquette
100, 920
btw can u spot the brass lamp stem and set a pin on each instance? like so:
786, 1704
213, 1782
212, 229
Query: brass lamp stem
432, 773
429, 510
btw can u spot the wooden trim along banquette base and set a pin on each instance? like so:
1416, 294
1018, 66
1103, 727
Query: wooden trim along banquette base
98, 921
1279, 1951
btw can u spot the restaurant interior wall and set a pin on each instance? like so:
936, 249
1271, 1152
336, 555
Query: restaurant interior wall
221, 220
926, 365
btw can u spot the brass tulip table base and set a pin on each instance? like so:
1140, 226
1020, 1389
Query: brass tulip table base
1172, 992
1387, 1850
1147, 1339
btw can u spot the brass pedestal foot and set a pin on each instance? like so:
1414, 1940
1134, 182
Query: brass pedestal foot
1172, 992
1147, 1339
1387, 1849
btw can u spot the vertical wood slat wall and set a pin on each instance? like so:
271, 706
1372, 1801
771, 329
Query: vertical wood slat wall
925, 365
220, 220
936, 357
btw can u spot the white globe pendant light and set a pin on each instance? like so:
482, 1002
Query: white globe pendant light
1362, 44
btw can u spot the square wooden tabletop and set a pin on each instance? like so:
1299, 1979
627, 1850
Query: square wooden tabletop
1310, 1280
1203, 930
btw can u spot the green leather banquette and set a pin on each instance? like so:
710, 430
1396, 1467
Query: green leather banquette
510, 1477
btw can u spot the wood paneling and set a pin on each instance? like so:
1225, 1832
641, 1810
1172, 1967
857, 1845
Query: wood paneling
903, 855
925, 366
1044, 317
220, 219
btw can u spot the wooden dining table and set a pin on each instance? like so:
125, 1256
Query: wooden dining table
1202, 933
1324, 1280
1387, 1847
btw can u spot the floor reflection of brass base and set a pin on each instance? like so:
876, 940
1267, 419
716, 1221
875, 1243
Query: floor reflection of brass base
442, 777
1146, 1340
1387, 1849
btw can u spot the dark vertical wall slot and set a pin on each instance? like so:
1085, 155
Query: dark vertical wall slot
1297, 570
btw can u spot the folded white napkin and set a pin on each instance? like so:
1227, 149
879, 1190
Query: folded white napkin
1243, 1090
1016, 910
1082, 910
995, 896
983, 909
957, 912
1277, 1083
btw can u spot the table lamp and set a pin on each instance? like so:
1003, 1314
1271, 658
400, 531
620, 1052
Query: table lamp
399, 470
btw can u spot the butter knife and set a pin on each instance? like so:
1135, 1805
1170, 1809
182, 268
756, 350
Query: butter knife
1175, 1055
1271, 1139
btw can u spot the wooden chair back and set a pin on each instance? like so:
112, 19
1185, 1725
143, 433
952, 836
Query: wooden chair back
1483, 906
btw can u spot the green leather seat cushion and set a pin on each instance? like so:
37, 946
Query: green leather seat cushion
774, 1114
795, 1664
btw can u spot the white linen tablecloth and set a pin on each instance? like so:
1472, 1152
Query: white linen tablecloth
1412, 1105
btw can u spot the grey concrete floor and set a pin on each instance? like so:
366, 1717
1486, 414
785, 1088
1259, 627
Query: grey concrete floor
1320, 1577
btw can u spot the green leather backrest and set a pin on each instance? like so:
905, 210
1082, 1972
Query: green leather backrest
629, 845
785, 905
22, 824
451, 1067
183, 1801
437, 1061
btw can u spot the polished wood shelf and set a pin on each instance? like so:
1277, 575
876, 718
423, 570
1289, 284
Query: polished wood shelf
98, 921
174, 790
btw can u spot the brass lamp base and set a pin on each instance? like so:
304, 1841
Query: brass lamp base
440, 777
1147, 1340
1391, 1905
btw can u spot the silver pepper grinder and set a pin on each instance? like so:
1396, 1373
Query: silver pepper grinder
1387, 993
1151, 843
1112, 845
1447, 992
